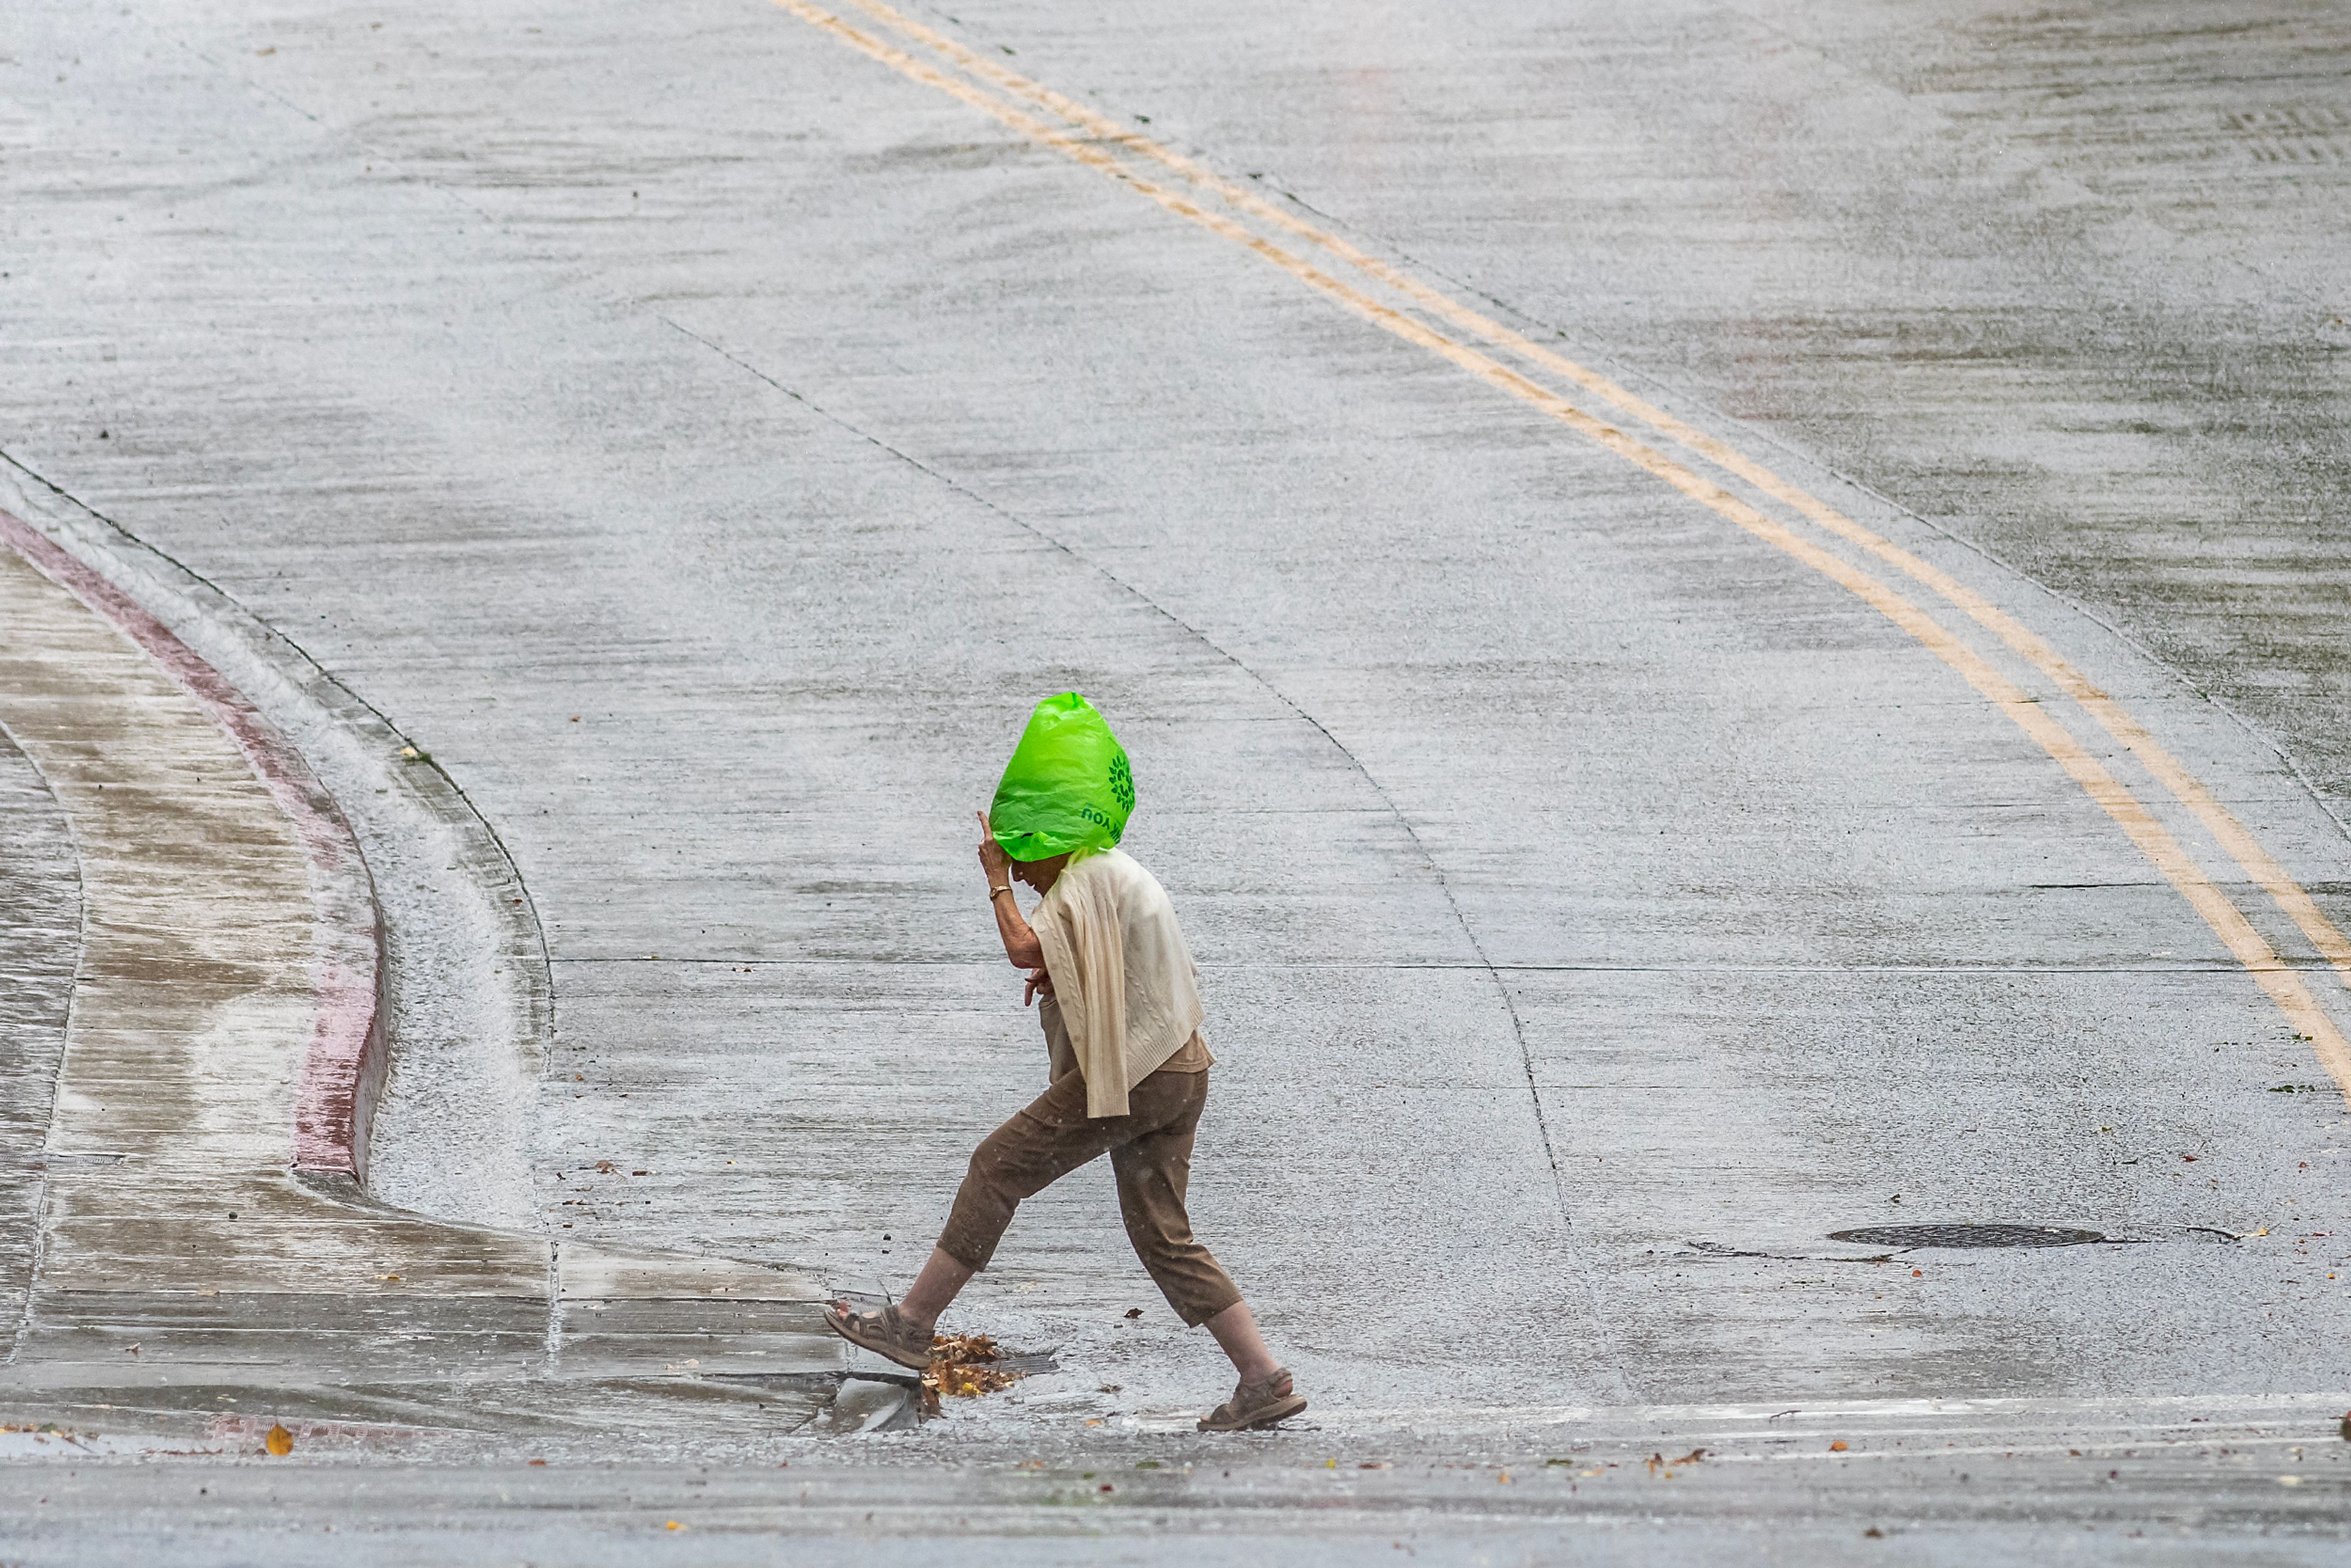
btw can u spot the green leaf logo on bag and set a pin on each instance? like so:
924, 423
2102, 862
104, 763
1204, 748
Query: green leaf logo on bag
1067, 786
1122, 782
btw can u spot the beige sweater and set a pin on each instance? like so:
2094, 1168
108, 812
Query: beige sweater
1128, 991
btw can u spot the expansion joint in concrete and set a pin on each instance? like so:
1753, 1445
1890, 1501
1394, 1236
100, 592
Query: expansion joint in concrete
1264, 682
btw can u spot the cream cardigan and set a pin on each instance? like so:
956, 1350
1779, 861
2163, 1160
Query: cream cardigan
1128, 989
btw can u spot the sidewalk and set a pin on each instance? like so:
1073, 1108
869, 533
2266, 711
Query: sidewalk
202, 1220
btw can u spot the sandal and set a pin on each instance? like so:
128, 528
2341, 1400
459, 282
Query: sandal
1264, 1403
885, 1334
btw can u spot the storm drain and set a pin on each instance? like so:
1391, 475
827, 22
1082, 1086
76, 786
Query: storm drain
1965, 1235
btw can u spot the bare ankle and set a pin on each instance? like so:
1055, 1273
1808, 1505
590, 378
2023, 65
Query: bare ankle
1237, 1335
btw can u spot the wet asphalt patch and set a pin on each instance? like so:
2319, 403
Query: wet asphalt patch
1966, 1234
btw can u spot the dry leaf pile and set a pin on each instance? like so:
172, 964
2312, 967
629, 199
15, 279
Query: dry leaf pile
963, 1366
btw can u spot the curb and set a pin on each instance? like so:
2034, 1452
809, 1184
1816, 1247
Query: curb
343, 1069
299, 1287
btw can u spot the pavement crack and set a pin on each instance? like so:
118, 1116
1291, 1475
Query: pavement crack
1717, 1250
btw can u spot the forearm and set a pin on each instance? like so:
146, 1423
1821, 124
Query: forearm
1020, 944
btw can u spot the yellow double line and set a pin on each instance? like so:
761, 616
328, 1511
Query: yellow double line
1183, 187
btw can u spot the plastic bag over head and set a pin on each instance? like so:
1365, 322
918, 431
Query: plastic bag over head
1067, 786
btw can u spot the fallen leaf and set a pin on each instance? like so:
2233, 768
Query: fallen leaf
279, 1442
270, 50
961, 1366
1693, 1456
672, 1524
605, 1167
1135, 1312
1872, 1533
1837, 1447
539, 1464
132, 1348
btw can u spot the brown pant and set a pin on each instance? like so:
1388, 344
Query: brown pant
1150, 1151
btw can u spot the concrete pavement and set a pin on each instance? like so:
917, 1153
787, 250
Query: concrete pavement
37, 946
2194, 1483
195, 1154
706, 462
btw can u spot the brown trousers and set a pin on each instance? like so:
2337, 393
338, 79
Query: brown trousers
1150, 1151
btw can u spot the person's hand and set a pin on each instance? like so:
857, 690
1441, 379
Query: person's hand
1040, 984
993, 861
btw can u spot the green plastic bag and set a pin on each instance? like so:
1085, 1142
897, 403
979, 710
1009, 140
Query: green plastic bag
1067, 786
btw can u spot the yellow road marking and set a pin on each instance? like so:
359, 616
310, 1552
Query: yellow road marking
2111, 715
2180, 869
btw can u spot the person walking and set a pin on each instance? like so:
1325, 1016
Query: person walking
1117, 991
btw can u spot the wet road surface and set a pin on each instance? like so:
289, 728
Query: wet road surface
706, 432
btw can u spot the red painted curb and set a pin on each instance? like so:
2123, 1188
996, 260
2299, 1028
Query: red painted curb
342, 1073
